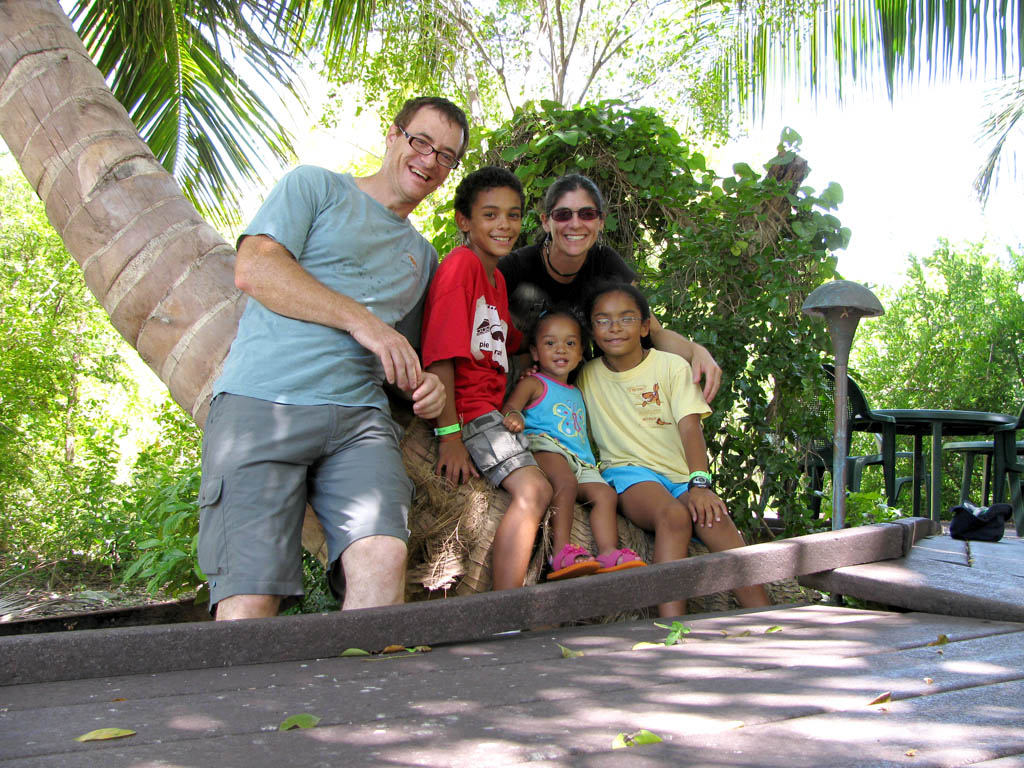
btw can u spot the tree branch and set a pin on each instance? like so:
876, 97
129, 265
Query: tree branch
462, 21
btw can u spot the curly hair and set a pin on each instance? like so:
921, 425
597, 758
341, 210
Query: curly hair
549, 314
488, 177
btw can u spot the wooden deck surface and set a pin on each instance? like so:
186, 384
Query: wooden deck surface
787, 686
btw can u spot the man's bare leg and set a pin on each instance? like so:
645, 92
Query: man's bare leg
248, 607
374, 570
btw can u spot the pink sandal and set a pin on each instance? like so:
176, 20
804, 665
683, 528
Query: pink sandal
568, 564
619, 560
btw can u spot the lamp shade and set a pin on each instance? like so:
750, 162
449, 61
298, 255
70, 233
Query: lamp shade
842, 295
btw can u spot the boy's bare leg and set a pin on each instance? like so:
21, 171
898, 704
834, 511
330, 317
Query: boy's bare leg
650, 506
248, 607
513, 541
374, 570
563, 495
603, 501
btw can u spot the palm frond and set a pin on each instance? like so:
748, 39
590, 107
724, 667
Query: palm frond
1006, 104
822, 46
183, 70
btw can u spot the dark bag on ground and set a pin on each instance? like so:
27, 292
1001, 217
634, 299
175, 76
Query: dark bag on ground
971, 523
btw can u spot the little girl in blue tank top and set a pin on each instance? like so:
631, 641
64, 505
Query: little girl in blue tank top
550, 411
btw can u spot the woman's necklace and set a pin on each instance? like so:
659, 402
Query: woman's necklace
547, 258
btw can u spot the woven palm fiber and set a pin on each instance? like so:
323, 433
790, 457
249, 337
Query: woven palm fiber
452, 529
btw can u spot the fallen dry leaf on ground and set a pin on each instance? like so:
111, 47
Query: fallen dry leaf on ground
103, 734
569, 653
644, 644
635, 739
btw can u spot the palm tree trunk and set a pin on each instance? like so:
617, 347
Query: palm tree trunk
162, 273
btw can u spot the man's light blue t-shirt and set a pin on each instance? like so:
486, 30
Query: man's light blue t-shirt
354, 245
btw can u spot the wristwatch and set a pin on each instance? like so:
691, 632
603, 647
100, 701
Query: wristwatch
700, 481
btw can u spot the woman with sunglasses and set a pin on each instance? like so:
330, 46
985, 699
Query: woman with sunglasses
568, 260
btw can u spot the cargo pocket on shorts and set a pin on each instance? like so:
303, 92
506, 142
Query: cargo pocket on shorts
213, 544
492, 448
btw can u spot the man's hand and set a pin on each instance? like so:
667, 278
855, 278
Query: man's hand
453, 462
704, 366
705, 507
429, 397
401, 364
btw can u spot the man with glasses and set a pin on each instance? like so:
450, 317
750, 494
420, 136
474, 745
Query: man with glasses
336, 277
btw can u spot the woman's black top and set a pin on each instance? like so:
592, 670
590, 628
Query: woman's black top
531, 288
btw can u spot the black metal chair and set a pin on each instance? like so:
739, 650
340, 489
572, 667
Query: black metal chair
860, 418
971, 450
1008, 466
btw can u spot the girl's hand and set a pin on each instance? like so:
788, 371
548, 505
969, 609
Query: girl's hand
514, 422
705, 507
454, 463
528, 371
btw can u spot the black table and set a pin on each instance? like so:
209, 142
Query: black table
921, 422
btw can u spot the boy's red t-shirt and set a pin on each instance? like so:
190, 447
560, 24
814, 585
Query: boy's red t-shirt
466, 319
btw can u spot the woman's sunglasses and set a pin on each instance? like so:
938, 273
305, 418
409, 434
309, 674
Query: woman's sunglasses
563, 215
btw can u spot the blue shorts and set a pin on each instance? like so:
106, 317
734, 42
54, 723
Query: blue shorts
620, 478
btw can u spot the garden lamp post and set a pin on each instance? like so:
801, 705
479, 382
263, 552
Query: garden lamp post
842, 304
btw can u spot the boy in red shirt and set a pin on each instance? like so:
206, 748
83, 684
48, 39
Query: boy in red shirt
467, 339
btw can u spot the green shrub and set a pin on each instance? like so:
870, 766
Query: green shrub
161, 515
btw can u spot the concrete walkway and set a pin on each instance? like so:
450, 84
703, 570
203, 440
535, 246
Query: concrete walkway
787, 686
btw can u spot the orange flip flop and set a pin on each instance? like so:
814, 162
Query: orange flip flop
619, 560
568, 564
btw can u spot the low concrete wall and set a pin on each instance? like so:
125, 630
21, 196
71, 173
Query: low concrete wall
138, 650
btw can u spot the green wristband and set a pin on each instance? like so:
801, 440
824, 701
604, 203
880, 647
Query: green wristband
700, 473
450, 429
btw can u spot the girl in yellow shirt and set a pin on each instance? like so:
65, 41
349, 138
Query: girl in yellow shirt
645, 417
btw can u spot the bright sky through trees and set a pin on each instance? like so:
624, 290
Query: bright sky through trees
906, 169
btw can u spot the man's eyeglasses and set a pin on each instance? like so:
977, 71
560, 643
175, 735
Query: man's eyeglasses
562, 215
424, 147
626, 322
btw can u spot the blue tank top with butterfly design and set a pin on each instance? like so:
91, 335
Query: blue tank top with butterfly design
561, 415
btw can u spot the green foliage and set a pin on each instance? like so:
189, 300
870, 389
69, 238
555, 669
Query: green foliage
862, 508
726, 261
66, 398
60, 371
1001, 133
490, 57
826, 47
951, 338
161, 513
187, 73
317, 597
675, 632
